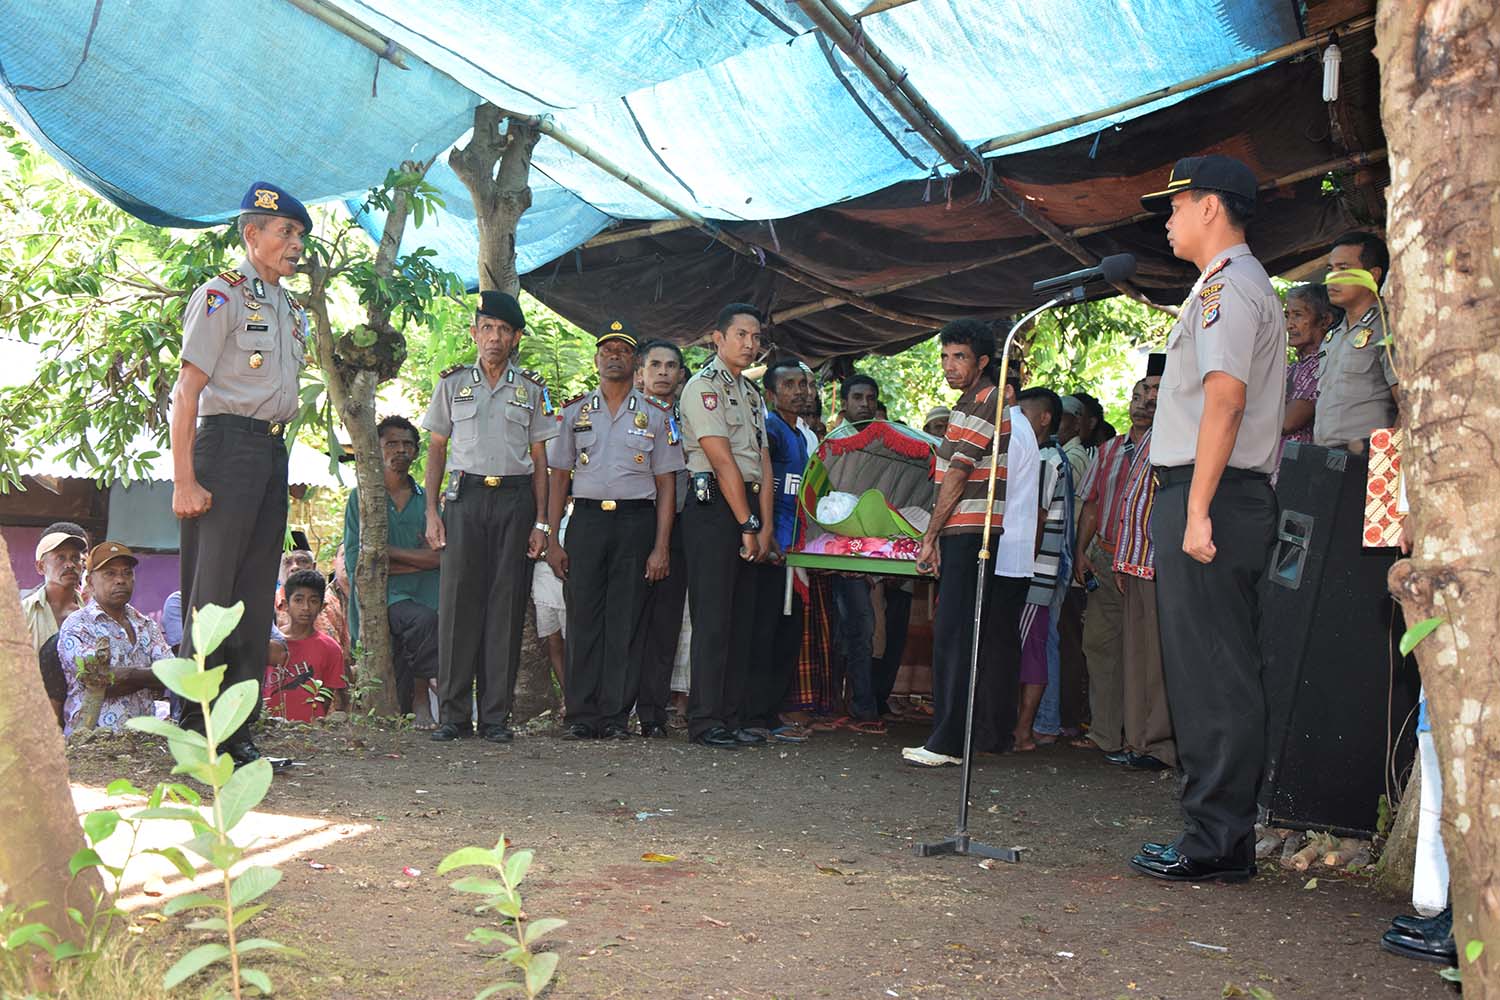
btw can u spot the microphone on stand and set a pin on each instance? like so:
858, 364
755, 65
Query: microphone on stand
1111, 270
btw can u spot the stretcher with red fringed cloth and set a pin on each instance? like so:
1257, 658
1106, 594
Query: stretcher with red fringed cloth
888, 466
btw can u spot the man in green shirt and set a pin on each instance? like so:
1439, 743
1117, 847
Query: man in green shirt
412, 586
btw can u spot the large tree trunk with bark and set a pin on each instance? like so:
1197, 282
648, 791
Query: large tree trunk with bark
501, 196
43, 831
495, 166
1440, 80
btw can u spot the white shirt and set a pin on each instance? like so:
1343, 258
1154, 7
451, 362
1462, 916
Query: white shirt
808, 436
1015, 550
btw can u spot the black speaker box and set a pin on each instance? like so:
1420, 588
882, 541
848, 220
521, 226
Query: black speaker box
1341, 700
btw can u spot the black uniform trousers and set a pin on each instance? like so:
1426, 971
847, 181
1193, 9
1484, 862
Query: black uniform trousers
1209, 615
606, 594
952, 647
888, 664
776, 639
232, 552
414, 629
723, 608
482, 591
655, 647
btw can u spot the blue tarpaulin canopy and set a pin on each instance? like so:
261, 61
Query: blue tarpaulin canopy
735, 108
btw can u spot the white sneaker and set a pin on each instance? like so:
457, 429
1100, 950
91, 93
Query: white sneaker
926, 758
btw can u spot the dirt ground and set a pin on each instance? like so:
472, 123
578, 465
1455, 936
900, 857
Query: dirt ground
794, 875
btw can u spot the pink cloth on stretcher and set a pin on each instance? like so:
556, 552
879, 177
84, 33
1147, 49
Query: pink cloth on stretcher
875, 548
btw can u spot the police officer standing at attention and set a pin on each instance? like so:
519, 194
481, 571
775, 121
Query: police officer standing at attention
244, 341
499, 419
727, 525
623, 453
1214, 445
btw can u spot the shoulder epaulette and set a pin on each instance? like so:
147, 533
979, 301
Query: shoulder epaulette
657, 403
1217, 268
569, 402
232, 278
451, 369
535, 376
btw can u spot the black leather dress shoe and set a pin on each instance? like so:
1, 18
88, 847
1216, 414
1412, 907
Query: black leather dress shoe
653, 730
448, 731
1169, 866
1146, 762
1118, 757
745, 737
243, 751
1154, 850
578, 731
615, 731
1438, 926
720, 737
1420, 948
499, 734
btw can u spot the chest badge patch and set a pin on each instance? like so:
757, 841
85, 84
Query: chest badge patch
641, 420
256, 360
214, 301
1210, 315
1362, 338
640, 459
710, 401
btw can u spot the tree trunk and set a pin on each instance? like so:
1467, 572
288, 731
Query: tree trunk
494, 166
1440, 79
43, 832
1398, 858
500, 196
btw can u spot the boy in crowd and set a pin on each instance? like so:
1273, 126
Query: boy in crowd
312, 677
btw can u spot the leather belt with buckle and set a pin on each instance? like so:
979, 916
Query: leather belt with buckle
269, 428
613, 505
494, 482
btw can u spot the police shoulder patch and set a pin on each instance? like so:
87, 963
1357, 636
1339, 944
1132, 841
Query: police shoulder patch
1210, 315
451, 369
232, 278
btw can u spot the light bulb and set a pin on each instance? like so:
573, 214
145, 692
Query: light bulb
1331, 59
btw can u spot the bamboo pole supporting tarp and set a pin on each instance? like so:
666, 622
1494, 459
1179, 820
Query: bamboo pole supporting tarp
1202, 80
625, 235
1353, 162
908, 102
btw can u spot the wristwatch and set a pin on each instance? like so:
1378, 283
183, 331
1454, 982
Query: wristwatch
543, 527
750, 526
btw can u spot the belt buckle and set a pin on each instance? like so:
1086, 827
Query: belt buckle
755, 488
492, 480
607, 505
276, 429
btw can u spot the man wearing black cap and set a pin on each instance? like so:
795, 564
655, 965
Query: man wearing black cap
623, 454
1215, 440
244, 341
498, 419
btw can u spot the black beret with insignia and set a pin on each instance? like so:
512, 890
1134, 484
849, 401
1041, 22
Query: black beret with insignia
499, 305
265, 198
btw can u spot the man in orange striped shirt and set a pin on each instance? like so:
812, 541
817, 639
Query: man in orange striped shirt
954, 535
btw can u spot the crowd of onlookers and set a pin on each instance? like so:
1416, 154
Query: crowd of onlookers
1078, 563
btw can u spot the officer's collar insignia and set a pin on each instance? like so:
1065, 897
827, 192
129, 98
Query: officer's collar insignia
1217, 268
510, 376
631, 403
260, 288
232, 278
595, 403
1369, 315
215, 300
476, 374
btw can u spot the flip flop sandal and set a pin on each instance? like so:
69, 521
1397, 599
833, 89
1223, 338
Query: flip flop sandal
842, 722
790, 734
869, 727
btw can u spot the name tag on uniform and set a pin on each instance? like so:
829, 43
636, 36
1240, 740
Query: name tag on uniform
256, 327
636, 433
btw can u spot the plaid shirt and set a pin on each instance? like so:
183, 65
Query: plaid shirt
1104, 486
1134, 553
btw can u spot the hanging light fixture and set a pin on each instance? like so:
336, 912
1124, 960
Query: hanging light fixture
1332, 58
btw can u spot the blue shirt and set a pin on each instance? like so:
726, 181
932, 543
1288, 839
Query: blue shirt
788, 450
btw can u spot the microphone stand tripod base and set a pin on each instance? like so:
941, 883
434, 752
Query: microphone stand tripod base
960, 843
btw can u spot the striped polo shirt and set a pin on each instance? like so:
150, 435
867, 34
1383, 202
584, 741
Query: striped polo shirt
966, 451
1133, 551
1104, 486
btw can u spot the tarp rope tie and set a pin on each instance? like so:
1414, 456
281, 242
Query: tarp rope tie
927, 189
389, 53
774, 241
986, 192
88, 41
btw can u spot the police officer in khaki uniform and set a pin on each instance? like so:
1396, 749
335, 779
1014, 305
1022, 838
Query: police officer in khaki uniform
660, 373
489, 424
1214, 444
727, 525
623, 454
1356, 379
244, 341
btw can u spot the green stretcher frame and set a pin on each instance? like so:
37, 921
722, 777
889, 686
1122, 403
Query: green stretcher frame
853, 564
